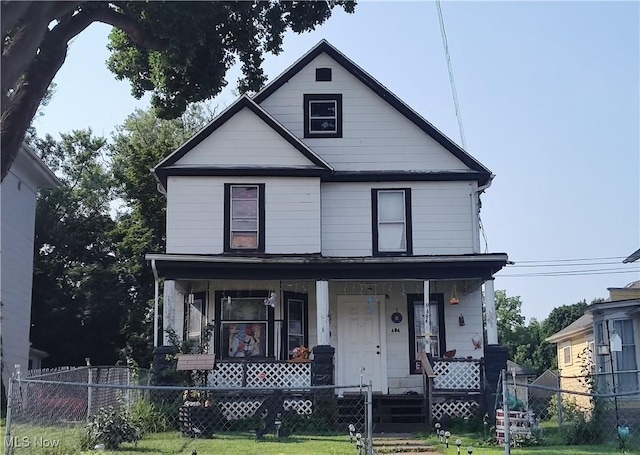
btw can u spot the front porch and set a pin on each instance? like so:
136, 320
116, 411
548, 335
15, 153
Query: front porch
455, 391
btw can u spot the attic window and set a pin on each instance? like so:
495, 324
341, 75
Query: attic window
323, 74
323, 115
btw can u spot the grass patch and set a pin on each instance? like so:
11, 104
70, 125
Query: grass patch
548, 447
237, 444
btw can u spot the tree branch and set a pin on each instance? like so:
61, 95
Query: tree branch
132, 28
12, 12
25, 102
25, 42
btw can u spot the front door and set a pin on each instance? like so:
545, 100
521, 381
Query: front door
360, 351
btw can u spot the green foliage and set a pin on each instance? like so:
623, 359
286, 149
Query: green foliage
526, 342
203, 41
150, 417
524, 440
79, 291
110, 427
581, 429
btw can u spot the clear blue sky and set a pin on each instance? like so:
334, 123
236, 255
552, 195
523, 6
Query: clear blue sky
549, 95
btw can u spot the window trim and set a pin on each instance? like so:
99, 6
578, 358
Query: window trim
307, 99
187, 332
285, 325
408, 223
438, 299
564, 347
218, 332
227, 218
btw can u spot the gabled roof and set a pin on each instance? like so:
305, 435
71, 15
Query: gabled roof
32, 166
519, 369
380, 90
243, 102
583, 324
633, 257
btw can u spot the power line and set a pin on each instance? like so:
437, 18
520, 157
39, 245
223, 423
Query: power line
571, 260
568, 264
451, 79
567, 273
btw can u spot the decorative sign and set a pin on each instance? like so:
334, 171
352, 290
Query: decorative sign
396, 318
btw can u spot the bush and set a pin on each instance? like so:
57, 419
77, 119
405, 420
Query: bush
149, 417
110, 427
582, 430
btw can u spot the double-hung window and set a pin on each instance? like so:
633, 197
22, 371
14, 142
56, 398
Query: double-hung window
195, 316
430, 338
244, 217
245, 327
391, 209
323, 115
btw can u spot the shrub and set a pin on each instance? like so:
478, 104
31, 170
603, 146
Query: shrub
110, 427
581, 430
149, 417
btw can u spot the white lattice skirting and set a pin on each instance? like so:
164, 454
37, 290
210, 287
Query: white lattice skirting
236, 409
261, 374
461, 409
456, 375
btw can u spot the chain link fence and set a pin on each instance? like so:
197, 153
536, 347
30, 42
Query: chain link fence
95, 408
582, 410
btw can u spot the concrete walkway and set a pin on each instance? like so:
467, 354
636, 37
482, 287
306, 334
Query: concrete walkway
401, 444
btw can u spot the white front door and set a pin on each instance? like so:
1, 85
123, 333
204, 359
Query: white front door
360, 351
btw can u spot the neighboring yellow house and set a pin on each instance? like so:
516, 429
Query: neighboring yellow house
583, 348
575, 347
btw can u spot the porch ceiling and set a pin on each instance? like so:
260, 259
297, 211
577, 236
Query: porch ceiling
316, 267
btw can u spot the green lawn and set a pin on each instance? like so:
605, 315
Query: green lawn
481, 448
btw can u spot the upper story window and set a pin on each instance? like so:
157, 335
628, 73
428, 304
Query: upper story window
244, 217
391, 211
323, 115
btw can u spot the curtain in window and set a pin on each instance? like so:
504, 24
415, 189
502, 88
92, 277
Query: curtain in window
391, 221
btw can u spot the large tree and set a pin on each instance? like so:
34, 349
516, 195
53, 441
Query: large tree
141, 142
179, 51
79, 292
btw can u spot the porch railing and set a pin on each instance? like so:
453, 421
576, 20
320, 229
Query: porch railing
457, 374
260, 374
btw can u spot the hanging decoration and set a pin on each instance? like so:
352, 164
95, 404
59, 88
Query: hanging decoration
461, 320
370, 301
477, 341
396, 317
271, 300
454, 295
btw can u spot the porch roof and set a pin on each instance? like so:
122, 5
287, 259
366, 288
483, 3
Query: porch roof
317, 267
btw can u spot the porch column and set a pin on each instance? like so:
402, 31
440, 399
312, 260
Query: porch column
427, 316
322, 312
492, 319
170, 300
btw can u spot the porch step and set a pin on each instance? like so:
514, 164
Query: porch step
390, 427
390, 411
401, 444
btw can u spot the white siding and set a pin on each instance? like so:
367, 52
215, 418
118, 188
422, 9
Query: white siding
244, 140
195, 214
442, 217
375, 135
18, 220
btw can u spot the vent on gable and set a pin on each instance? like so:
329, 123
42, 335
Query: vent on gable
323, 74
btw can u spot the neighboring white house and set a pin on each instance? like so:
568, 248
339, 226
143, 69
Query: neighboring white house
323, 211
18, 202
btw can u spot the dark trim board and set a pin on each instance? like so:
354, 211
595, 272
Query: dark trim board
382, 92
324, 174
391, 269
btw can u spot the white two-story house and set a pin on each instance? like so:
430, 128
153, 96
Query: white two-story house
323, 211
